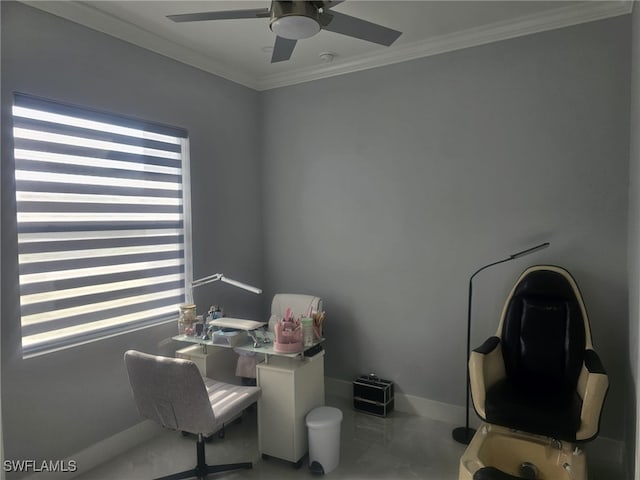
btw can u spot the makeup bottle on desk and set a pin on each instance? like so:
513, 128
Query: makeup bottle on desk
307, 331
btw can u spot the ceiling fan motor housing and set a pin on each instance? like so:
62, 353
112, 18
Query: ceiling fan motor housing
294, 19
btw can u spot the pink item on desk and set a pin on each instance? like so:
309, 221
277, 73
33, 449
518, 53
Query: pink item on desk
288, 335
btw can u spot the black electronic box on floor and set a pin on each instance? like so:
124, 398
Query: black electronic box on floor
373, 395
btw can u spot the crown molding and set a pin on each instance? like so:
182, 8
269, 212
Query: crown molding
557, 18
85, 14
89, 16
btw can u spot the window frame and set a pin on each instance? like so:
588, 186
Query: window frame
184, 254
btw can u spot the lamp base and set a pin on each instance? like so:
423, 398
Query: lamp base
463, 434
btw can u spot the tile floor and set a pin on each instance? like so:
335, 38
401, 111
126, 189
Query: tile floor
401, 446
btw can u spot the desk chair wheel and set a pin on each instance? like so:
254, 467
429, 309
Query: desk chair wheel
221, 431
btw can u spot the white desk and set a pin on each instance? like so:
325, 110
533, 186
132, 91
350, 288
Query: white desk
292, 385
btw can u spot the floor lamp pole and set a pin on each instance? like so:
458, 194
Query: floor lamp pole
465, 434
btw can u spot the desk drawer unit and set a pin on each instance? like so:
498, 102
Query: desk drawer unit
373, 395
291, 387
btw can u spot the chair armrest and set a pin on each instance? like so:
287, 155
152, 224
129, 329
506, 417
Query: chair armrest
593, 384
486, 367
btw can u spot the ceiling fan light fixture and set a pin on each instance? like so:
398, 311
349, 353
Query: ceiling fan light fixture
295, 27
294, 20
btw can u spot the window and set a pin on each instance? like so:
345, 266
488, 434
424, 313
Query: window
100, 222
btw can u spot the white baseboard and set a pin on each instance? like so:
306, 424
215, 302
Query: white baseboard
104, 450
602, 450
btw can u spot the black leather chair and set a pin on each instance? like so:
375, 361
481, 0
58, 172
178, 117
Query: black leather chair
539, 373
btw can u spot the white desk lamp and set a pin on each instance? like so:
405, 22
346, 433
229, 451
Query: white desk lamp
220, 276
241, 324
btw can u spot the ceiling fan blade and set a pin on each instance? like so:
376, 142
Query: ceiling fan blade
358, 28
283, 49
224, 15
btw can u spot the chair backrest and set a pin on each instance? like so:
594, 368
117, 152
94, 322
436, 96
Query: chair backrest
170, 391
299, 305
544, 330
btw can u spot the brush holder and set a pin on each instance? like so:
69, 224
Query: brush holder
288, 337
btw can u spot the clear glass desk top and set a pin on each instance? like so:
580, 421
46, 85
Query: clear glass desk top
247, 346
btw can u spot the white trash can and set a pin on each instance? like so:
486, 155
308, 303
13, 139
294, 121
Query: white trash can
324, 438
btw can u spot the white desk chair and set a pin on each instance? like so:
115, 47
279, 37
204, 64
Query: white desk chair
171, 392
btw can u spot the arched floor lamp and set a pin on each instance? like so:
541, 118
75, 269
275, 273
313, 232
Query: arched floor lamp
465, 434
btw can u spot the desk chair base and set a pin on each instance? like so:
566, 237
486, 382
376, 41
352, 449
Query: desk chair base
201, 470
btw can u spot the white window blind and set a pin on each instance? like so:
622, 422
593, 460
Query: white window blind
100, 222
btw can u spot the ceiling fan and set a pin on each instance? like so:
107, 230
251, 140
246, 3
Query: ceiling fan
297, 19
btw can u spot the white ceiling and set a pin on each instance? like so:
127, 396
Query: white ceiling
239, 50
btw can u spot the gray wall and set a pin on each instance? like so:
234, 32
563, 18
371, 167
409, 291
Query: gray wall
381, 191
385, 189
58, 404
633, 427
